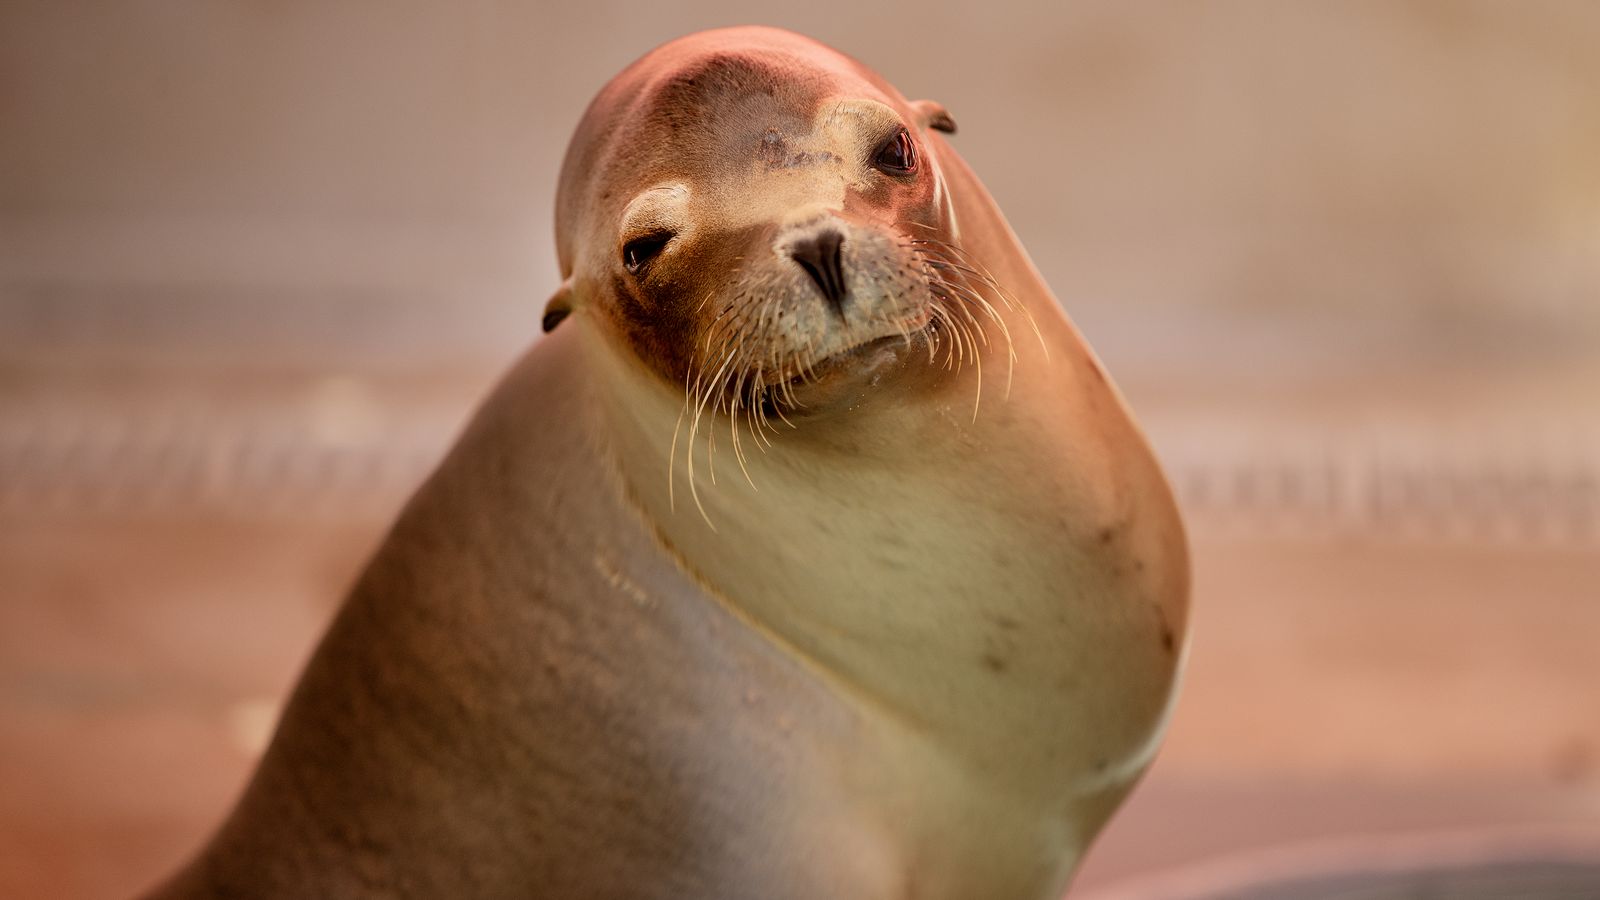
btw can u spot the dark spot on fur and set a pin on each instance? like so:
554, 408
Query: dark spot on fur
994, 662
1005, 622
1106, 534
1102, 764
773, 148
1169, 641
889, 561
890, 539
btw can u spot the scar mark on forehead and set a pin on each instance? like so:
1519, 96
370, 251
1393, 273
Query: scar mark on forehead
773, 148
775, 153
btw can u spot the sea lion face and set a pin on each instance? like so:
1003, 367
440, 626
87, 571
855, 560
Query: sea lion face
765, 223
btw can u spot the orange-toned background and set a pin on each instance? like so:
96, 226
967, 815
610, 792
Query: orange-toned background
258, 260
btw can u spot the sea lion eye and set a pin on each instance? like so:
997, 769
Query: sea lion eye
637, 253
898, 156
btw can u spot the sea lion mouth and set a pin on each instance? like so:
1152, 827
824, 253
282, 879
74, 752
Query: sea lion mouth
846, 375
834, 362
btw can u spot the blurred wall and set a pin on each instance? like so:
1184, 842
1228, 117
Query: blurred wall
1394, 178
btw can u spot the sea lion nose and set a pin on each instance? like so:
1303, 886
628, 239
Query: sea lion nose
819, 254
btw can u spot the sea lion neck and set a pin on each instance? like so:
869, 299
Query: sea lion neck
800, 538
663, 439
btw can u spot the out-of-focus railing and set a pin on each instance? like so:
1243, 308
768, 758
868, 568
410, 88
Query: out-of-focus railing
325, 458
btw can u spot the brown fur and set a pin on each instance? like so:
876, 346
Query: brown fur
903, 656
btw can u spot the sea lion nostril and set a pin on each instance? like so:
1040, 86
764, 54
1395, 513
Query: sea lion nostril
820, 255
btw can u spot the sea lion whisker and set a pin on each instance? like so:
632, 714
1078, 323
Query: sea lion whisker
755, 410
986, 278
969, 344
966, 328
966, 311
954, 292
955, 355
993, 315
701, 392
733, 432
956, 258
786, 389
943, 303
694, 429
672, 452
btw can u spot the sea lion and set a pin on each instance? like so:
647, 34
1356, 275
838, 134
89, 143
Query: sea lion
810, 555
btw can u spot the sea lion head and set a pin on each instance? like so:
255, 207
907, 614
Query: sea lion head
764, 222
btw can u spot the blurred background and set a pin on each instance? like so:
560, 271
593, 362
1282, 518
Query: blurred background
259, 260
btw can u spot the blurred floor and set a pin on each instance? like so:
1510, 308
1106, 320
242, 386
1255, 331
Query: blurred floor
160, 596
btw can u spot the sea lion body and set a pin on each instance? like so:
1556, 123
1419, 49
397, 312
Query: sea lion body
916, 641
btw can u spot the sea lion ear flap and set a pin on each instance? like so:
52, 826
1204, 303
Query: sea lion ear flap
932, 114
559, 307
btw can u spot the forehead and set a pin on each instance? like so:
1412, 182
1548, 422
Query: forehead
710, 81
702, 109
730, 96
